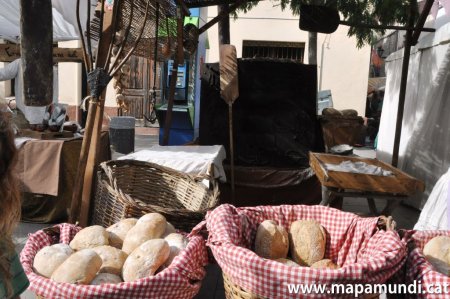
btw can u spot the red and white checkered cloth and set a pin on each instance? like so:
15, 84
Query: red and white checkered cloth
417, 268
364, 253
182, 279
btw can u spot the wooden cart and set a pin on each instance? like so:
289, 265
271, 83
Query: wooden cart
337, 184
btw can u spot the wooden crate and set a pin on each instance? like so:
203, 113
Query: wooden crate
400, 183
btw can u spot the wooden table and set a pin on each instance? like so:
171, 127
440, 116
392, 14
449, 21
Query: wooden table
41, 208
337, 184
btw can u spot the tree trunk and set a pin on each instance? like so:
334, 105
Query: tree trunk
224, 25
312, 48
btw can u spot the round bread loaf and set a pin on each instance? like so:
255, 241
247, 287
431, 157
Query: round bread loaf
271, 240
112, 259
323, 264
90, 237
49, 258
149, 226
145, 260
169, 230
80, 268
103, 278
177, 242
287, 262
307, 241
437, 252
118, 231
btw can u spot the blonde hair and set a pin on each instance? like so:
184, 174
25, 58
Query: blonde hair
9, 198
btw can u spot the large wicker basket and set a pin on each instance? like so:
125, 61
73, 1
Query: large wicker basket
182, 279
130, 188
367, 251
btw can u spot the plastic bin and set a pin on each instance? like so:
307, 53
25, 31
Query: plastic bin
121, 134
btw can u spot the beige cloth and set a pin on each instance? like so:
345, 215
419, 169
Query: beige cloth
40, 165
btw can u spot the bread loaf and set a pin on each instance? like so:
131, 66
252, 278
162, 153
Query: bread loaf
287, 262
325, 263
149, 226
437, 252
80, 268
271, 240
90, 237
177, 242
112, 259
307, 240
49, 258
169, 230
119, 230
103, 278
145, 260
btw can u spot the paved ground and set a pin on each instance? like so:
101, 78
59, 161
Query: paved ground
212, 287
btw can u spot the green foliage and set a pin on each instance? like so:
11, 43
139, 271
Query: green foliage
368, 12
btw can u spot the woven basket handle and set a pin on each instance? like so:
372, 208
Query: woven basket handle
386, 223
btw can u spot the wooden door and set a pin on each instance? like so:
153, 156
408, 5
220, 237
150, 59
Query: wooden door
138, 89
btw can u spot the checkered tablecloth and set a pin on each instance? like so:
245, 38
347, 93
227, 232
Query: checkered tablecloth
182, 279
364, 253
417, 268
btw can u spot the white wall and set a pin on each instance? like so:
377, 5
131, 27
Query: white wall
5, 86
345, 68
69, 78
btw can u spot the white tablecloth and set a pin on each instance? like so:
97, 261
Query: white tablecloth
192, 159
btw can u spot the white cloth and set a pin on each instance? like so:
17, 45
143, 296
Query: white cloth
194, 160
358, 167
434, 213
425, 142
64, 19
20, 141
13, 70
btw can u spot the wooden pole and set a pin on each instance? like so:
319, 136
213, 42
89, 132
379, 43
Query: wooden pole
179, 56
36, 46
79, 178
411, 38
92, 161
89, 151
230, 127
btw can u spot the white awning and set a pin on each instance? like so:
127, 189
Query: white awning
64, 19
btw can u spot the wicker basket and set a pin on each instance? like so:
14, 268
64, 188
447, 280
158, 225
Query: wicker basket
233, 291
182, 279
368, 250
130, 188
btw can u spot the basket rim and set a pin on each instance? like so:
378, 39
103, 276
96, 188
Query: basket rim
129, 162
138, 202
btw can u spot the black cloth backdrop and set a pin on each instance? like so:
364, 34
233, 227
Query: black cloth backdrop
274, 117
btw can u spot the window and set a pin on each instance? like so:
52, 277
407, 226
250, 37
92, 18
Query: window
275, 50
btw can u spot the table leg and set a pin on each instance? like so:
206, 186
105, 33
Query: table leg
372, 207
337, 202
390, 206
326, 198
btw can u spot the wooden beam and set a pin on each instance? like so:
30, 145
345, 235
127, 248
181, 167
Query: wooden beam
411, 39
36, 31
11, 52
403, 83
220, 16
373, 26
421, 21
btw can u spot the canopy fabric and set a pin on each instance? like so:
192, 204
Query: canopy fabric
425, 143
64, 19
